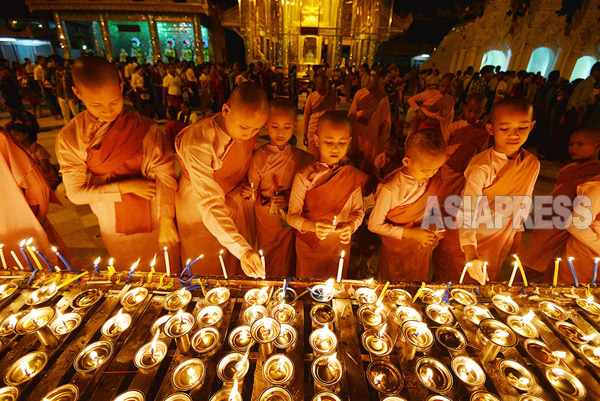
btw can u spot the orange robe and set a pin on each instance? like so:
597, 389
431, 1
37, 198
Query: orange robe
583, 244
546, 245
401, 203
465, 143
209, 207
371, 123
492, 174
438, 108
383, 165
273, 170
315, 106
323, 192
26, 196
94, 156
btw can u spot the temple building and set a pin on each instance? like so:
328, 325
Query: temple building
147, 30
308, 32
537, 40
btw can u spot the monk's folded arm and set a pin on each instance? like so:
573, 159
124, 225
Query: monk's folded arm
377, 221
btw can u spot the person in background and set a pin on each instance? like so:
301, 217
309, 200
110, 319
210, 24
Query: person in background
172, 93
41, 75
173, 126
186, 115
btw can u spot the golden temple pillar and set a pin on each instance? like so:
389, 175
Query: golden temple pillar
62, 36
154, 38
105, 37
198, 39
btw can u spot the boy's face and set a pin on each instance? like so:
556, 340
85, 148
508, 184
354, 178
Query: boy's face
582, 147
322, 87
18, 135
243, 122
510, 128
390, 151
472, 112
445, 86
423, 166
333, 141
280, 126
104, 102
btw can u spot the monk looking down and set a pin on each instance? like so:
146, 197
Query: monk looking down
119, 163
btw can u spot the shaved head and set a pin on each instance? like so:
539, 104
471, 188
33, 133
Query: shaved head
93, 72
373, 83
250, 96
511, 105
425, 142
593, 133
335, 118
283, 104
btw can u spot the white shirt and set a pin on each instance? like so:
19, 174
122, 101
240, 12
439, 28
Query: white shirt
582, 93
173, 84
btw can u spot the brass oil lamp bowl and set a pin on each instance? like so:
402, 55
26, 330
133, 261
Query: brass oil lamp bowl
496, 337
439, 314
275, 394
468, 371
463, 297
93, 356
451, 338
86, 299
287, 337
177, 300
232, 367
323, 341
67, 392
384, 377
133, 298
188, 374
36, 321
240, 338
566, 384
322, 314
377, 342
433, 375
327, 370
283, 313
25, 368
553, 311
116, 324
178, 327
506, 304
206, 340
278, 369
65, 323
42, 295
522, 325
416, 337
399, 297
217, 296
209, 316
516, 375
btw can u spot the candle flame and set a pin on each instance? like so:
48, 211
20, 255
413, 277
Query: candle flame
501, 333
153, 263
328, 289
382, 331
52, 287
110, 261
1, 246
154, 340
469, 366
332, 358
597, 352
590, 299
551, 307
420, 328
524, 381
25, 369
12, 322
571, 258
558, 372
33, 248
221, 252
59, 316
343, 254
267, 324
428, 375
369, 281
22, 243
93, 356
97, 260
263, 292
559, 354
134, 265
2, 288
596, 259
558, 259
29, 241
280, 364
188, 262
234, 391
261, 252
377, 379
528, 317
165, 249
180, 315
118, 317
588, 338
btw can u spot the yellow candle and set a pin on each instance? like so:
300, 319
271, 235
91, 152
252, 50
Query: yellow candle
419, 292
521, 269
34, 257
556, 264
110, 268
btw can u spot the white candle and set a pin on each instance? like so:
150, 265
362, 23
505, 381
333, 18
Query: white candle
514, 273
262, 260
167, 263
484, 271
2, 256
462, 275
222, 264
334, 220
14, 255
340, 267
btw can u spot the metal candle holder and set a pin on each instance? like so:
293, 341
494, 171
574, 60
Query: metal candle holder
393, 398
254, 313
506, 304
278, 369
322, 314
116, 325
131, 395
327, 370
326, 396
150, 355
429, 296
451, 338
522, 327
233, 366
365, 295
323, 341
178, 397
86, 299
283, 313
226, 394
468, 371
7, 326
384, 377
485, 396
264, 332
463, 297
417, 337
497, 337
592, 354
178, 327
321, 293
209, 316
553, 311
371, 315
6, 290
540, 352
159, 324
287, 337
588, 305
399, 297
67, 392
36, 321
290, 295
571, 332
42, 295
516, 375
206, 340
275, 394
133, 298
404, 313
25, 368
240, 338
93, 356
9, 393
65, 324
377, 343
433, 374
566, 384
177, 300
217, 296
188, 374
256, 296
439, 314
475, 314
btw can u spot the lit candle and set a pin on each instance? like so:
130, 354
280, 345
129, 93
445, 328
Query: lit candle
223, 264
595, 271
513, 274
556, 265
131, 270
152, 271
96, 267
111, 268
485, 276
14, 255
262, 260
167, 262
462, 275
340, 267
188, 265
21, 245
41, 255
2, 257
62, 259
522, 270
575, 281
35, 259
334, 220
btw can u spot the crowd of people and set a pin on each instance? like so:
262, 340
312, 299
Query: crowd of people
363, 184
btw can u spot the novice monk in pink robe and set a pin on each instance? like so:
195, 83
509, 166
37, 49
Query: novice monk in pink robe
26, 196
325, 192
389, 160
119, 163
434, 108
272, 172
467, 139
323, 99
371, 121
401, 205
507, 171
549, 243
215, 154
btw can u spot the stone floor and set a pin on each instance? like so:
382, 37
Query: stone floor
78, 226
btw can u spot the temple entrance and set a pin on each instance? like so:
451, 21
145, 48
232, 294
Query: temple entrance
495, 58
542, 60
582, 68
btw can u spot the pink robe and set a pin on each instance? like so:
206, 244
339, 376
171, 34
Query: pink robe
153, 160
210, 209
371, 123
491, 174
315, 106
323, 192
546, 245
25, 200
438, 108
273, 170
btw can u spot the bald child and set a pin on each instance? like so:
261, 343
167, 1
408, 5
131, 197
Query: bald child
434, 108
323, 99
215, 154
400, 207
119, 163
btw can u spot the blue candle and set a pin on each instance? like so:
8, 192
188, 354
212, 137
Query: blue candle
131, 270
595, 271
25, 256
43, 258
189, 264
96, 267
63, 259
573, 272
32, 277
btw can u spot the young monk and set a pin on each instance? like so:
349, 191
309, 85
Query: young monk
388, 160
326, 204
434, 108
215, 154
468, 137
400, 208
549, 243
272, 172
26, 196
317, 103
371, 120
504, 170
119, 163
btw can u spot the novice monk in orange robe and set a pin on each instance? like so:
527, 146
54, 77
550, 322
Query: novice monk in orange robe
272, 172
401, 205
215, 154
468, 137
119, 163
317, 103
371, 121
434, 108
389, 160
26, 196
549, 243
323, 192
505, 170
